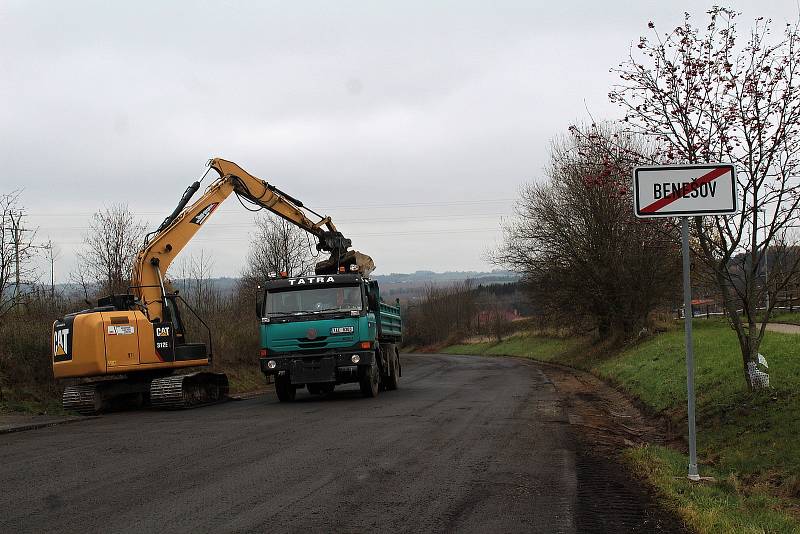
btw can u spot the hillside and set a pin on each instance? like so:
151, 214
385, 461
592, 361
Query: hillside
406, 286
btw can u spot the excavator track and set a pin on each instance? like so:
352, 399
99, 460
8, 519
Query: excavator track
170, 392
84, 399
187, 391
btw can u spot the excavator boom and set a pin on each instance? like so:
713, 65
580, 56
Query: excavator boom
180, 227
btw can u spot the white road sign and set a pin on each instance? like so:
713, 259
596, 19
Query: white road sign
684, 190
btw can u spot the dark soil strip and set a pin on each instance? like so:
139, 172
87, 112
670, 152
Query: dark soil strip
604, 423
611, 500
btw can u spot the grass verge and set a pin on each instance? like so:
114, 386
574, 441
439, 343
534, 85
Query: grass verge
721, 505
244, 378
746, 441
523, 345
33, 407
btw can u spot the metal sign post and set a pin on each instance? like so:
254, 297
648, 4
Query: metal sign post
688, 315
686, 191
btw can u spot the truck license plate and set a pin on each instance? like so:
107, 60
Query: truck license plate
342, 330
310, 371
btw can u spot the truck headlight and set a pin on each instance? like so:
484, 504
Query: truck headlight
355, 358
271, 364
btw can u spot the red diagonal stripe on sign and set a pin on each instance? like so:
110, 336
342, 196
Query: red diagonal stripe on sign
685, 190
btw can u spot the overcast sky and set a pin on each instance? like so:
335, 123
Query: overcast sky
413, 124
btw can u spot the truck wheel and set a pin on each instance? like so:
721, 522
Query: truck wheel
284, 389
394, 371
370, 381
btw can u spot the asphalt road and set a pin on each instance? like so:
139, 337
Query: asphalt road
467, 444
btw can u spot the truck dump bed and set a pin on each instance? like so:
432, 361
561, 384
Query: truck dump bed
390, 324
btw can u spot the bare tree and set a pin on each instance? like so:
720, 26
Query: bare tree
499, 325
703, 97
110, 248
16, 252
442, 314
582, 253
277, 246
194, 274
88, 288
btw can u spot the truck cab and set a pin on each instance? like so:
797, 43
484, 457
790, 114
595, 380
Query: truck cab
323, 330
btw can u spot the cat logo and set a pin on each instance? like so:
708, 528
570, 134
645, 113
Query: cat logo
60, 342
201, 217
162, 331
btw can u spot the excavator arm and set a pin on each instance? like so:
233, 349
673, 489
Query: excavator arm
160, 250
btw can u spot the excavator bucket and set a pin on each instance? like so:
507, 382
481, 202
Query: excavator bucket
351, 257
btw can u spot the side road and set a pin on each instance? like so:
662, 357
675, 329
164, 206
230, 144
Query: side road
784, 328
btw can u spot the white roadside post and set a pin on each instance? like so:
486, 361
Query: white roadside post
686, 191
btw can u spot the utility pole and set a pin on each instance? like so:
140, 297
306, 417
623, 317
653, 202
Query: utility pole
15, 235
22, 250
49, 248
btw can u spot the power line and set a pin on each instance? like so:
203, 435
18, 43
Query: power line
423, 233
370, 234
324, 208
339, 222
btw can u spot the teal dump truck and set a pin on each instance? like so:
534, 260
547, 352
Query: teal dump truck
323, 330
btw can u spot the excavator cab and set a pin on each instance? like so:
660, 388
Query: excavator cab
170, 332
118, 302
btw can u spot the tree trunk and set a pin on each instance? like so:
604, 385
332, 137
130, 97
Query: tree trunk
745, 340
747, 357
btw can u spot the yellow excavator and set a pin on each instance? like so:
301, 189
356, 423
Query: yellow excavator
131, 345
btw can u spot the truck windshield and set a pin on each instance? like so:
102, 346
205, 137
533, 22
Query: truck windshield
314, 300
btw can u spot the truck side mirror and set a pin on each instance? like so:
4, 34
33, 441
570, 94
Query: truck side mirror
258, 302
